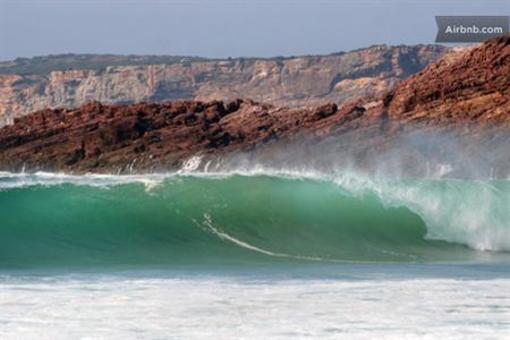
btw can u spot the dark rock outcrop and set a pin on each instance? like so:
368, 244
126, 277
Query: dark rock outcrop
106, 138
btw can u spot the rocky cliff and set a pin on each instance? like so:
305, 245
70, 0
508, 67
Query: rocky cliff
470, 86
468, 92
295, 81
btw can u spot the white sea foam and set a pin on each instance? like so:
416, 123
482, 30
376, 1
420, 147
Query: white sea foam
19, 180
191, 164
471, 212
230, 308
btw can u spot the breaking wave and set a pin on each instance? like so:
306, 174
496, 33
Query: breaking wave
241, 217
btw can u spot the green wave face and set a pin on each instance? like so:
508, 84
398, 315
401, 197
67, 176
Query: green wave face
237, 219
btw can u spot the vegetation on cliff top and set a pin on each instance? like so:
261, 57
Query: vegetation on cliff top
63, 62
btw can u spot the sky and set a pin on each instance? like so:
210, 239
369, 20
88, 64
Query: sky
222, 28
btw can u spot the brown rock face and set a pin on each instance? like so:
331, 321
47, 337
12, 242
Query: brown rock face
468, 92
472, 86
295, 81
97, 137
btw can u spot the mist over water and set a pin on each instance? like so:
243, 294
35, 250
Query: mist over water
384, 152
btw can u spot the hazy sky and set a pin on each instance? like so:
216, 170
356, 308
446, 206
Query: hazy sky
221, 28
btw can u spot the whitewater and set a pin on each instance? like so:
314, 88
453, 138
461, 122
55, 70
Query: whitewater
254, 253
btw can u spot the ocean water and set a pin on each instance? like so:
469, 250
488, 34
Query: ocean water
253, 255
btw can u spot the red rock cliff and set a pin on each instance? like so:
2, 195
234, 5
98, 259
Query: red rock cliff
470, 90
